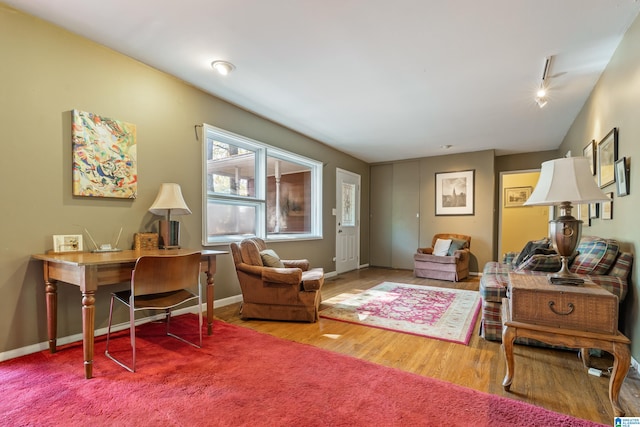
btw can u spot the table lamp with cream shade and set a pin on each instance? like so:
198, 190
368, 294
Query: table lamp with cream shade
561, 183
169, 201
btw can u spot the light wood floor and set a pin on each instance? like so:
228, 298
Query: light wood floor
552, 379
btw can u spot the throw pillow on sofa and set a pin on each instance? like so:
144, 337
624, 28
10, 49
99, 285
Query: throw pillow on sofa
530, 248
544, 260
597, 255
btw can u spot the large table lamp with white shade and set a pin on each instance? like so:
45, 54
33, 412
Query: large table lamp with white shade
563, 182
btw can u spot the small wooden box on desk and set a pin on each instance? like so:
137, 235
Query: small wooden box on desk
587, 307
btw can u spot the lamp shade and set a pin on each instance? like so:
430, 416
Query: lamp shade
169, 199
566, 180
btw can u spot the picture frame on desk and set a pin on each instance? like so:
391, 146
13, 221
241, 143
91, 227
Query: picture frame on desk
67, 243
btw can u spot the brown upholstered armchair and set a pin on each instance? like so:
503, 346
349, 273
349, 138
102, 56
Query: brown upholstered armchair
453, 265
273, 288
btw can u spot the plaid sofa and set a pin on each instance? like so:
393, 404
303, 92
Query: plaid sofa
599, 260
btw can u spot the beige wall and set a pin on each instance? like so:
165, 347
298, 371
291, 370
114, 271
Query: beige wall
615, 102
46, 72
479, 225
403, 208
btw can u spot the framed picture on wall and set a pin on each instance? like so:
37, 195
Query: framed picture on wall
622, 177
516, 196
583, 215
590, 153
455, 193
593, 210
607, 208
104, 156
606, 158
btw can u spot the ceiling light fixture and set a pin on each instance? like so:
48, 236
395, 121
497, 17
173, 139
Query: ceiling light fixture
541, 95
223, 67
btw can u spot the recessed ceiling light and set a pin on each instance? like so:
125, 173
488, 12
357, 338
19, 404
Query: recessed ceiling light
223, 67
446, 147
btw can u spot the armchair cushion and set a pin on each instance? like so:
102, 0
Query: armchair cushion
270, 258
456, 245
441, 247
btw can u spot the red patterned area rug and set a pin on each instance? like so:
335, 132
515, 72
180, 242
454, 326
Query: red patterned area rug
441, 313
241, 378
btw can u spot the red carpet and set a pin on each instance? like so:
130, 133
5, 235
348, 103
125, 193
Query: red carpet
240, 378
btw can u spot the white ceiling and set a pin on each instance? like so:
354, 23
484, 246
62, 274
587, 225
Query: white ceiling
381, 80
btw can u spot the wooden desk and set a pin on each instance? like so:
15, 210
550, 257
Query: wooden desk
89, 270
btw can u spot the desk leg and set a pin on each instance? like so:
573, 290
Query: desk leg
88, 322
51, 293
508, 337
621, 362
210, 300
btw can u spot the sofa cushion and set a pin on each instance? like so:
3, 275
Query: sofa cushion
541, 262
596, 256
271, 259
456, 245
530, 248
544, 260
441, 247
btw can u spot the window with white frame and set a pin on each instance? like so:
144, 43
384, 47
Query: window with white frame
253, 189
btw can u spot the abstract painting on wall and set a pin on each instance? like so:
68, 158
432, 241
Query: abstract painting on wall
104, 157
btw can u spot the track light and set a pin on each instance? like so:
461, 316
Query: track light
541, 96
541, 101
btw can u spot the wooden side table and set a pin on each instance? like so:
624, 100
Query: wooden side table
615, 343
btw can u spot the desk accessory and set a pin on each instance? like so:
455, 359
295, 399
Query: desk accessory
104, 247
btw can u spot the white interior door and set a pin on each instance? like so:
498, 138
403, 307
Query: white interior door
347, 221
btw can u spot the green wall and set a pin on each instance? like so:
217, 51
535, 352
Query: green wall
46, 72
615, 102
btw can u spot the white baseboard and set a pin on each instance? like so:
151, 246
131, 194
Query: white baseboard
34, 348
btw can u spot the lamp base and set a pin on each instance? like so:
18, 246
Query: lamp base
566, 232
169, 234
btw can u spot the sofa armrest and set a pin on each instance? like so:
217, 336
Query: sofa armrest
312, 280
461, 254
302, 264
510, 258
288, 276
428, 251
